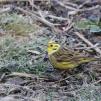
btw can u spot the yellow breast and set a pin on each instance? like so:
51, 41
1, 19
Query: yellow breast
62, 65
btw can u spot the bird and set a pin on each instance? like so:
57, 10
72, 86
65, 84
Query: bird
64, 58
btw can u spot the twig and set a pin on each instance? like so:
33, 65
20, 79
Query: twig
89, 9
88, 42
71, 4
14, 85
40, 17
68, 27
23, 75
63, 5
75, 10
55, 17
83, 10
80, 6
32, 4
32, 76
46, 15
2, 77
3, 1
12, 98
97, 82
67, 7
86, 48
5, 10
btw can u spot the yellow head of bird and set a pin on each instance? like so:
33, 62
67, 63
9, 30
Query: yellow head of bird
52, 47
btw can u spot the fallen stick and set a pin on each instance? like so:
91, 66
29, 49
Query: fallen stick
88, 42
4, 10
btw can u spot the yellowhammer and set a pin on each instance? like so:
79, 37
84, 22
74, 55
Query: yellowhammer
64, 58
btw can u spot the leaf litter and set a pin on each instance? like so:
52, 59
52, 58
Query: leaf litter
25, 76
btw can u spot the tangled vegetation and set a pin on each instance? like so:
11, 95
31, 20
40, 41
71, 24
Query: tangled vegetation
26, 27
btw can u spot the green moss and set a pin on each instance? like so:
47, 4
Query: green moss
17, 24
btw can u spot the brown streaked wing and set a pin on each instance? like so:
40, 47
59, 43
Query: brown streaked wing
63, 55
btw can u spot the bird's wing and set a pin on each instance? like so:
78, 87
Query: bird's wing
63, 55
66, 55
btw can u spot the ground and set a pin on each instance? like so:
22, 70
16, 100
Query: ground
25, 71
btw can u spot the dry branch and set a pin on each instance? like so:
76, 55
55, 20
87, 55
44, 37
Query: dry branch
40, 17
88, 42
3, 1
4, 10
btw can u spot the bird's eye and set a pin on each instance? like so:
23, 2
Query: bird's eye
51, 45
